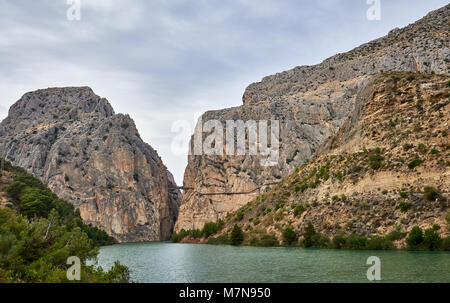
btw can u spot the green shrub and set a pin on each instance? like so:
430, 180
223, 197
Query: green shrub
415, 238
445, 244
35, 200
311, 238
338, 241
405, 206
395, 235
303, 187
355, 242
434, 151
299, 209
431, 239
379, 243
431, 193
212, 228
375, 160
220, 240
239, 216
289, 236
407, 146
237, 235
36, 251
269, 241
324, 172
413, 164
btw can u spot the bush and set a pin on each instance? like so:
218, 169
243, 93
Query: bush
415, 238
355, 242
268, 241
237, 235
338, 241
289, 236
431, 239
177, 237
300, 209
405, 206
375, 161
413, 164
379, 243
212, 228
445, 244
36, 251
431, 193
311, 238
35, 200
221, 240
411, 77
395, 235
239, 216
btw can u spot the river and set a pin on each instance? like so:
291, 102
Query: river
194, 263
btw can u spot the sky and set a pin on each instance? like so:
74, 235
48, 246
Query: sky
163, 61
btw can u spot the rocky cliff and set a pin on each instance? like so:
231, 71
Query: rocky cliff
311, 103
72, 140
386, 170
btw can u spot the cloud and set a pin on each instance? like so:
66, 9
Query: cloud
162, 61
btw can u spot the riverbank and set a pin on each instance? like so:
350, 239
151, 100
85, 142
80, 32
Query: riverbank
416, 240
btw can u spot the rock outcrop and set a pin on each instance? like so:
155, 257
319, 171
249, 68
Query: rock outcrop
72, 140
311, 103
386, 169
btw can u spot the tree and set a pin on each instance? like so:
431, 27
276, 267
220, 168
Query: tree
289, 236
431, 238
237, 235
308, 234
36, 251
415, 238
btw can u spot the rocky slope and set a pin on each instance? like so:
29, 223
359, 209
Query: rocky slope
311, 103
387, 169
72, 140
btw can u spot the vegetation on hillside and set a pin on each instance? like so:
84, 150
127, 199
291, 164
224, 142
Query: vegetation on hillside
39, 232
32, 198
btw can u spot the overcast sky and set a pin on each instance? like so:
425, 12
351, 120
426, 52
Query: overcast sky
167, 60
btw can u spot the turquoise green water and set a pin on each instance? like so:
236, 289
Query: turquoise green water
190, 263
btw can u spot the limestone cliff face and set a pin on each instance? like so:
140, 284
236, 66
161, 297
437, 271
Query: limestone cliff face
311, 103
72, 140
371, 177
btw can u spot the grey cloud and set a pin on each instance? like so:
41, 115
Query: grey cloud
161, 61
